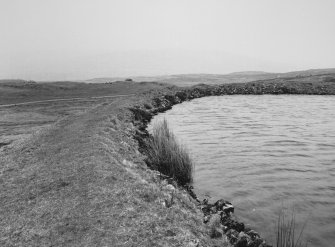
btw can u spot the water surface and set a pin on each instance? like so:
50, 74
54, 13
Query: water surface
264, 153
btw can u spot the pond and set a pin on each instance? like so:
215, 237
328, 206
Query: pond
264, 153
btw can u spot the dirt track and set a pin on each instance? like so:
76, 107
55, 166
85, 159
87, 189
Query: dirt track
68, 99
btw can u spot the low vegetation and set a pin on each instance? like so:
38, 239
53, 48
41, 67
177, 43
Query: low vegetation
167, 156
287, 232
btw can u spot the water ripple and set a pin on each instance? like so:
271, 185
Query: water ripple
264, 151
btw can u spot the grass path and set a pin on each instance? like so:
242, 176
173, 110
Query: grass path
82, 182
66, 99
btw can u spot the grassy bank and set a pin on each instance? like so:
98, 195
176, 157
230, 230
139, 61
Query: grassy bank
82, 182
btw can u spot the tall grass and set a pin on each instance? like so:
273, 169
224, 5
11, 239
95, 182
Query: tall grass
287, 232
167, 156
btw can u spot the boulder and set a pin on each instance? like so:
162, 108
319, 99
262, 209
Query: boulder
242, 240
229, 223
225, 206
253, 234
232, 236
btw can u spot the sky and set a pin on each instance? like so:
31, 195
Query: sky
83, 39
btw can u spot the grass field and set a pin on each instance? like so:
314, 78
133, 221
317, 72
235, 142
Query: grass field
18, 122
18, 91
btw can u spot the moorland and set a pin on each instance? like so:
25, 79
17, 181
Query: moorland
71, 170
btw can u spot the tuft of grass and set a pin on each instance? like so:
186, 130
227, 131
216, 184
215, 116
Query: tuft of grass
167, 156
286, 235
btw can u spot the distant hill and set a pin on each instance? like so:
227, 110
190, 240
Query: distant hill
192, 79
16, 91
14, 81
182, 79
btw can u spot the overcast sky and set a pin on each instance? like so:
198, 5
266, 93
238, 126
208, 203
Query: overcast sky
81, 39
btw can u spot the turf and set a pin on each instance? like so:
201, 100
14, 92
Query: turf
18, 91
82, 182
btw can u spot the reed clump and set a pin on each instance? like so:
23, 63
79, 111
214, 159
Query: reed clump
167, 156
287, 235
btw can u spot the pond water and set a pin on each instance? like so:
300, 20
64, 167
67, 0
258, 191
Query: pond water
264, 153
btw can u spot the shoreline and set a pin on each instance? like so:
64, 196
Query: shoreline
236, 232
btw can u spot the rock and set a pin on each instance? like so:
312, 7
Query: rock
229, 208
253, 234
206, 209
193, 243
247, 229
242, 242
181, 95
232, 236
238, 226
207, 218
243, 234
170, 187
222, 205
232, 224
256, 243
